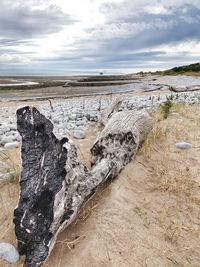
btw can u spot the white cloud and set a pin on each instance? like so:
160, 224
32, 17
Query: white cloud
13, 58
157, 9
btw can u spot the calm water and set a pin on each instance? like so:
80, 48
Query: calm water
15, 83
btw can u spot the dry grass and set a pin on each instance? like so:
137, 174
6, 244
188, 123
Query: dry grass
171, 169
174, 174
168, 176
157, 135
10, 164
192, 73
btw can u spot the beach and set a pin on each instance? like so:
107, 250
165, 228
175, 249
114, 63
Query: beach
149, 215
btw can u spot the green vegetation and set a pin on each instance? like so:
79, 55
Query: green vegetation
187, 69
192, 69
166, 107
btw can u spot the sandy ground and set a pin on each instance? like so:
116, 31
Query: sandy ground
149, 216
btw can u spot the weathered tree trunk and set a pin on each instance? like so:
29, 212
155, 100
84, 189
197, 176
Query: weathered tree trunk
55, 184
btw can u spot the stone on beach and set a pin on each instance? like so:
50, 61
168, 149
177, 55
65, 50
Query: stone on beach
81, 122
6, 139
183, 145
9, 253
4, 128
79, 134
11, 145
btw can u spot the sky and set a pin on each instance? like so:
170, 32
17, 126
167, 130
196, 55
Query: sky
63, 37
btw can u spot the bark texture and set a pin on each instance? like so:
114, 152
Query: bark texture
54, 183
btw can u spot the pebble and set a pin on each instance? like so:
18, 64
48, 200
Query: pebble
11, 145
183, 145
79, 134
6, 139
9, 253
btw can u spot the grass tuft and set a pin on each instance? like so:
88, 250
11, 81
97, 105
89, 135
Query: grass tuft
10, 165
166, 107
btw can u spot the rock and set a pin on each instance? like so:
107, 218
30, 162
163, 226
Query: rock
80, 122
92, 117
72, 117
13, 127
17, 137
9, 133
56, 120
6, 139
6, 129
60, 132
70, 126
13, 132
11, 145
9, 253
79, 134
183, 145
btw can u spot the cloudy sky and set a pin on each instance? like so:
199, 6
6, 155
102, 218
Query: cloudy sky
88, 36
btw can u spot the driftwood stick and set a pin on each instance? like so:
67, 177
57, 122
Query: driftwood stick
110, 110
54, 183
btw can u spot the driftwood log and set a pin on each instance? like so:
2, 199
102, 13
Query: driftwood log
54, 183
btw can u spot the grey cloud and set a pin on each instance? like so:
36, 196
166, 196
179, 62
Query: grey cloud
144, 31
152, 30
128, 60
10, 42
23, 22
127, 10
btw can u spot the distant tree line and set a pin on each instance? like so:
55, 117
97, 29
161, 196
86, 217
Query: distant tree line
187, 68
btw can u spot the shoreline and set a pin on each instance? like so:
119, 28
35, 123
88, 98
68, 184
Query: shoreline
139, 85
